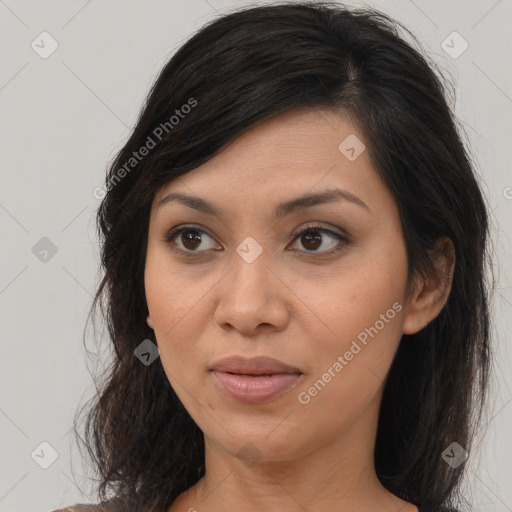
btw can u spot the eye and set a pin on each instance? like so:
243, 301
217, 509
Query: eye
192, 237
311, 239
190, 240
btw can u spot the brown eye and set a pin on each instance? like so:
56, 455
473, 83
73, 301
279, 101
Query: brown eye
311, 240
317, 241
188, 240
313, 237
191, 239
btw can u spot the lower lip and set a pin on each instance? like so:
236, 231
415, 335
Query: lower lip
256, 389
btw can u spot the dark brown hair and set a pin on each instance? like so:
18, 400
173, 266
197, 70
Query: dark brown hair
241, 69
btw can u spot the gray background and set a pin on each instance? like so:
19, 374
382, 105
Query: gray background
62, 120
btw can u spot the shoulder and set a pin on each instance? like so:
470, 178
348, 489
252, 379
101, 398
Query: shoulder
82, 507
115, 504
112, 505
442, 509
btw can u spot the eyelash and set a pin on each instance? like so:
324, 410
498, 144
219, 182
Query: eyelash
174, 232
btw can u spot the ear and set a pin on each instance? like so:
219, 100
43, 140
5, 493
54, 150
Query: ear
430, 293
149, 321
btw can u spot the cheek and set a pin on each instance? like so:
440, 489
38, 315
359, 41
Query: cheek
363, 311
176, 311
370, 281
350, 368
173, 297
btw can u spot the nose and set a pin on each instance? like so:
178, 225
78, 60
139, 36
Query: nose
252, 297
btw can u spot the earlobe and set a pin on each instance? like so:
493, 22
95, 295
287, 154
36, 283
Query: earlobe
149, 321
431, 292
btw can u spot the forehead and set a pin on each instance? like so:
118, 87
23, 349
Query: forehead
285, 157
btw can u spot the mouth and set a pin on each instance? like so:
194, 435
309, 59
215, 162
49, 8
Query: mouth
252, 374
255, 380
239, 365
255, 389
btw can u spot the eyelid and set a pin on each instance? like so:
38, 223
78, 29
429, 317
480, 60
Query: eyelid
173, 232
344, 238
320, 227
177, 230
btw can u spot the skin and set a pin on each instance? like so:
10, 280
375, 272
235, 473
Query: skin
287, 304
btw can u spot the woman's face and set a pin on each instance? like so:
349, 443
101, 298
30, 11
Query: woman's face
241, 281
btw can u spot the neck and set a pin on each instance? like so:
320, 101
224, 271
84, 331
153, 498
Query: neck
333, 474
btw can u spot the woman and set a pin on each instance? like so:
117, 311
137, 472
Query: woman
296, 225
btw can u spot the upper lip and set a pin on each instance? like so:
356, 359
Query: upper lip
253, 366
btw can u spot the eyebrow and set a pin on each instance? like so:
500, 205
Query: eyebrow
281, 210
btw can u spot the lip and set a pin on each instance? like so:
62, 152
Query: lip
255, 380
253, 366
255, 389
